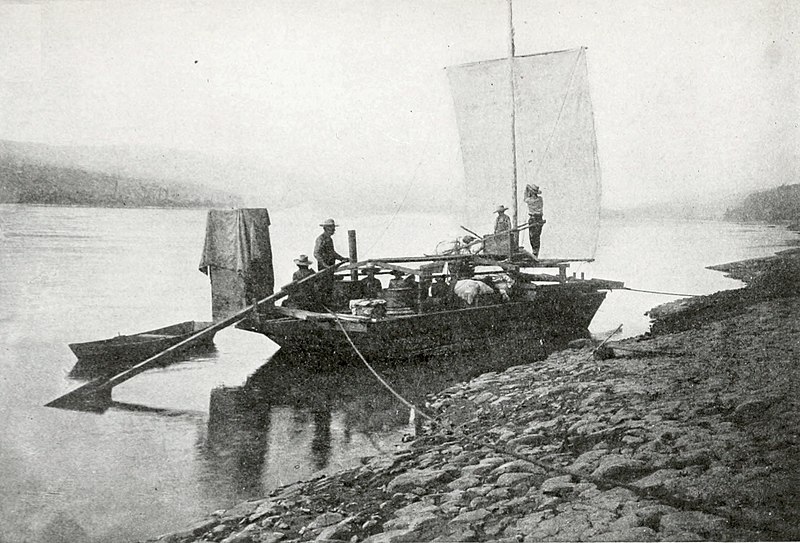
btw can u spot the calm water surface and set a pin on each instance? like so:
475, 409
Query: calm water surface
185, 440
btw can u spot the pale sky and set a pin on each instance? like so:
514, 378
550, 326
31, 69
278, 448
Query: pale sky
691, 98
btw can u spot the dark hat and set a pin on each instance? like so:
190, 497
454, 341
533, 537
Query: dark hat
500, 209
534, 188
302, 261
329, 222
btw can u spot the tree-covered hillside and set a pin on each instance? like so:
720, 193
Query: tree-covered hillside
26, 181
777, 204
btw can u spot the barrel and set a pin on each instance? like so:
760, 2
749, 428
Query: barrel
399, 297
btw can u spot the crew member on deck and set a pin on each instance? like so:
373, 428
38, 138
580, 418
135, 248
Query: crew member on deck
301, 296
535, 203
326, 256
503, 221
398, 281
370, 286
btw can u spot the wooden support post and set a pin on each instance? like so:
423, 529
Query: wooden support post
425, 279
562, 272
351, 242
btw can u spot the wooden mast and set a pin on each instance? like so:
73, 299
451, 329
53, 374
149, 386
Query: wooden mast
511, 54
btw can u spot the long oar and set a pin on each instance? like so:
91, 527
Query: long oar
473, 233
99, 390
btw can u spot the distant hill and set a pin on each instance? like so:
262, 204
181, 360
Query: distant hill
772, 205
43, 174
696, 208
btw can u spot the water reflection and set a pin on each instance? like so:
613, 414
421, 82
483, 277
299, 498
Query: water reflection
295, 417
236, 441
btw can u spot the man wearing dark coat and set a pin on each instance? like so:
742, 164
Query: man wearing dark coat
324, 251
326, 256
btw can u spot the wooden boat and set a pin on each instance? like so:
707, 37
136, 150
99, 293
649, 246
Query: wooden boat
130, 349
537, 110
534, 307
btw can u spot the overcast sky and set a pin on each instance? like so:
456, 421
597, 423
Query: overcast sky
690, 97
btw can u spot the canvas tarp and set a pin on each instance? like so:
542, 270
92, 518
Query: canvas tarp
237, 256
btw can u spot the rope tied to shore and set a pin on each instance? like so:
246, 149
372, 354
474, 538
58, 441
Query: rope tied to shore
376, 374
660, 292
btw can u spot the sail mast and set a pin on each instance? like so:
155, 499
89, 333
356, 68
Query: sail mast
511, 53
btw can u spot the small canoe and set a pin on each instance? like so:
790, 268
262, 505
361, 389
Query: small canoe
139, 347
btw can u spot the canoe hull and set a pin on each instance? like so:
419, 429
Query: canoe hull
125, 350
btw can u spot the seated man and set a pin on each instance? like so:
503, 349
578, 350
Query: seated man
398, 281
370, 285
302, 296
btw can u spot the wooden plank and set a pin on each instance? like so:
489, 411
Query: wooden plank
429, 258
397, 267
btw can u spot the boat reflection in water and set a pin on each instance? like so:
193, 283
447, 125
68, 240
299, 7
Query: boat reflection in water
294, 418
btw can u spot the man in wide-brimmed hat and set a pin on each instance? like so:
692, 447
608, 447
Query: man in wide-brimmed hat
503, 221
324, 251
301, 296
326, 257
535, 221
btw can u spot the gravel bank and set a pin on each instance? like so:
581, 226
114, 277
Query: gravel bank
689, 433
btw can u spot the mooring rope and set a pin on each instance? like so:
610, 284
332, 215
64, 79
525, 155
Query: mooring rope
660, 292
377, 375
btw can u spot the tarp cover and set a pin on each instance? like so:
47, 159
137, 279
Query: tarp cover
237, 256
235, 238
555, 143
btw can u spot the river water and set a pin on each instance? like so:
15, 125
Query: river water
185, 440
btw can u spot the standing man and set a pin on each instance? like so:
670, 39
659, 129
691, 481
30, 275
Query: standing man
326, 257
503, 222
535, 221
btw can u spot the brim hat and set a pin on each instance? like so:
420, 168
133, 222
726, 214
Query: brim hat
302, 261
500, 209
535, 188
329, 222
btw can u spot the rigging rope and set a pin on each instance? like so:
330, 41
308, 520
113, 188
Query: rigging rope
558, 119
405, 196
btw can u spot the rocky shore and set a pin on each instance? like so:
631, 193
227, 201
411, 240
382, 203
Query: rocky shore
691, 432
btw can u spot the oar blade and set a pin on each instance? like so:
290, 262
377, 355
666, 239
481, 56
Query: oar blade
88, 397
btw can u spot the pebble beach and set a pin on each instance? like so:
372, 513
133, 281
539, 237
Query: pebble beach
688, 433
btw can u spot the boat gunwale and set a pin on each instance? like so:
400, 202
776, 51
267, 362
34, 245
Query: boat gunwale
133, 340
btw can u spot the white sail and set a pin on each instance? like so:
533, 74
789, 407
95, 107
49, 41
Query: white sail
555, 144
